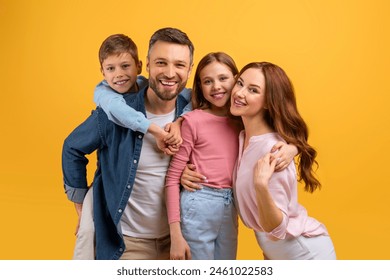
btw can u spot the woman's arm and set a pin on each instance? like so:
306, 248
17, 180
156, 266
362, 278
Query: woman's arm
270, 216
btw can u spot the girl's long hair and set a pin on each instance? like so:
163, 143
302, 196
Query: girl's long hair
282, 115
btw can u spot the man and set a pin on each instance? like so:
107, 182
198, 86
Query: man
129, 207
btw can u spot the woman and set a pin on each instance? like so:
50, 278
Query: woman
267, 201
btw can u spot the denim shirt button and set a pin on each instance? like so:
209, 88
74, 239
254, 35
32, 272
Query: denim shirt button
120, 210
140, 136
135, 161
128, 186
121, 249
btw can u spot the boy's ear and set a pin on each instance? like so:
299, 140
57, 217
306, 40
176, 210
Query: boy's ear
101, 70
139, 67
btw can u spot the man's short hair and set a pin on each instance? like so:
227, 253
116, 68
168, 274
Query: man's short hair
172, 35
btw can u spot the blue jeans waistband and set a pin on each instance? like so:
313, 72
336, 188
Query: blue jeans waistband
222, 193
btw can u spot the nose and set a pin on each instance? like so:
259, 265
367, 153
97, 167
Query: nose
239, 92
170, 71
216, 85
118, 73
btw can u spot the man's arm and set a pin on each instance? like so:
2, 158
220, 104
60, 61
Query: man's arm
82, 141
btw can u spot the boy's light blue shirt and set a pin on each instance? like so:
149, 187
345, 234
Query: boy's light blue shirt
114, 105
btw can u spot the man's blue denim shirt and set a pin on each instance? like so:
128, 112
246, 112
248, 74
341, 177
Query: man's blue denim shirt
118, 152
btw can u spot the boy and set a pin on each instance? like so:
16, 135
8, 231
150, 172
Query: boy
118, 56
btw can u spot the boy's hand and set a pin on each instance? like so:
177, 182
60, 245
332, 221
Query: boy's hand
159, 134
174, 134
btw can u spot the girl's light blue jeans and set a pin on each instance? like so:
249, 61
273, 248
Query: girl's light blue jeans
209, 223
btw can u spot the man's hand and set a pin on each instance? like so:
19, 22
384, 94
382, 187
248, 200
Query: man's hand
79, 208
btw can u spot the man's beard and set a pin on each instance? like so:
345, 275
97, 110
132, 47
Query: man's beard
165, 95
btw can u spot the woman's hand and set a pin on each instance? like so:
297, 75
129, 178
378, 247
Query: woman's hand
190, 179
264, 169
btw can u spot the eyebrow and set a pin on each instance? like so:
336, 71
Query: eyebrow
122, 62
218, 76
176, 61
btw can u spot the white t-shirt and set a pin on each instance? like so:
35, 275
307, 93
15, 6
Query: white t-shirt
146, 215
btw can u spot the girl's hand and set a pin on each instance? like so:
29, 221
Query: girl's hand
190, 178
179, 249
179, 246
284, 154
264, 169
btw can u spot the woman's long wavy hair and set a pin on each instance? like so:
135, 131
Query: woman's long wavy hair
282, 116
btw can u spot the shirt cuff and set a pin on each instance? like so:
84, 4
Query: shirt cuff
75, 195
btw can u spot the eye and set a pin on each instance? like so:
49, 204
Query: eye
206, 82
239, 83
110, 68
253, 90
160, 63
223, 78
125, 66
180, 65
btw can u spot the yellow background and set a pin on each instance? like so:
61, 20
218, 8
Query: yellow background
336, 53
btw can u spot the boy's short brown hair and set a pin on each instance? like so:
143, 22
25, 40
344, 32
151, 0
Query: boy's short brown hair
117, 44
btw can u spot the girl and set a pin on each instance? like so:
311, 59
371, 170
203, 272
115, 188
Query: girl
203, 225
263, 97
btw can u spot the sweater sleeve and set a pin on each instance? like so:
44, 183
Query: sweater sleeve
279, 188
176, 167
114, 105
